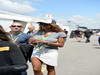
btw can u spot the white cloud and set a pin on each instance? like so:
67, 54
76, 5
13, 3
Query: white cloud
82, 21
85, 20
20, 6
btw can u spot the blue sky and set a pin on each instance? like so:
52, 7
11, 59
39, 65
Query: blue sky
68, 8
77, 11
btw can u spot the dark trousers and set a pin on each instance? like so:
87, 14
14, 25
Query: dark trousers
87, 39
24, 73
99, 40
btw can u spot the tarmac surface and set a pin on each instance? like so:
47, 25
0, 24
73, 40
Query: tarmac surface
77, 58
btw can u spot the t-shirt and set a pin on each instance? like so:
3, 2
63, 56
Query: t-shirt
21, 38
51, 38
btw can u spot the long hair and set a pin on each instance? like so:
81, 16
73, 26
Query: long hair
49, 27
3, 35
56, 28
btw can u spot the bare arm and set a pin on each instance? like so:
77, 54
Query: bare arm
59, 43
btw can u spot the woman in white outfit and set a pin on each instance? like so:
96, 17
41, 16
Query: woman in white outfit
46, 42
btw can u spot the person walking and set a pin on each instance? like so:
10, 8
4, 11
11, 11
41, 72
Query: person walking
88, 34
46, 44
98, 34
21, 39
78, 35
66, 32
12, 61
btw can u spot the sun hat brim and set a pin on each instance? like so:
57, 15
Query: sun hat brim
43, 23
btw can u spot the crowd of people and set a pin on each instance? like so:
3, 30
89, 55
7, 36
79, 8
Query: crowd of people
38, 47
79, 35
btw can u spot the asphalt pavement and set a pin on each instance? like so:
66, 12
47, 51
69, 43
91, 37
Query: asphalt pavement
77, 58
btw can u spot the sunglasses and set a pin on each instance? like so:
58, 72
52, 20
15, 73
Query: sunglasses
16, 26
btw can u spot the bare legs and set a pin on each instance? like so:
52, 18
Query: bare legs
37, 65
51, 70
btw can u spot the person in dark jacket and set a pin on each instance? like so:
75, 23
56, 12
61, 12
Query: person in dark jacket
88, 34
12, 61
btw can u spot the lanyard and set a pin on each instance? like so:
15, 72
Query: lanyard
15, 37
